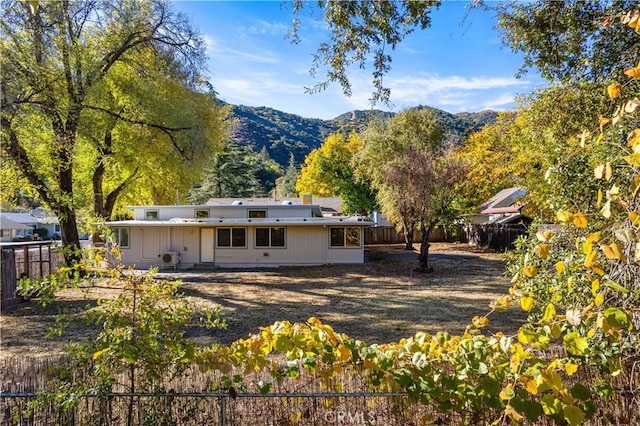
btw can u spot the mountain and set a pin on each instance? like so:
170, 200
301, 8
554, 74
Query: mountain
282, 134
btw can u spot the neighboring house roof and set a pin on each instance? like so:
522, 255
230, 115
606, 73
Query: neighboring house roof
504, 202
6, 223
33, 218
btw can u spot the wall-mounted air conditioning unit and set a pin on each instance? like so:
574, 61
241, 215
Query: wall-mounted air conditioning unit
170, 258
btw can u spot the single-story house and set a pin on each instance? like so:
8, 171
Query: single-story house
10, 230
238, 235
36, 219
503, 208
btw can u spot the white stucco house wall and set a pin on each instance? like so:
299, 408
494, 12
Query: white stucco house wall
237, 235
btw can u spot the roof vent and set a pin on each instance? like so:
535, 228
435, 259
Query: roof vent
236, 203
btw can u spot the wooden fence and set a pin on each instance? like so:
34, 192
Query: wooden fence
389, 235
24, 260
499, 237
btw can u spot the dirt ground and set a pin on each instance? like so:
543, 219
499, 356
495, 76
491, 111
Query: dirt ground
382, 300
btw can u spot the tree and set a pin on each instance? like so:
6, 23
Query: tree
566, 41
421, 187
328, 171
286, 185
228, 176
78, 71
388, 147
361, 33
518, 151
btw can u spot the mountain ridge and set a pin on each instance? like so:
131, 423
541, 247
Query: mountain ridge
282, 135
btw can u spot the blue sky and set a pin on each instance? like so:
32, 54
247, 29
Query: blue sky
456, 65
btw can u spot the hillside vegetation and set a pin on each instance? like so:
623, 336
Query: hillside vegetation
283, 134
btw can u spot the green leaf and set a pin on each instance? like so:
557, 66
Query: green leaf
550, 405
530, 409
581, 392
617, 318
573, 415
282, 343
576, 344
615, 286
264, 387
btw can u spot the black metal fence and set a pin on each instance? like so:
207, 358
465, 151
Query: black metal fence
216, 409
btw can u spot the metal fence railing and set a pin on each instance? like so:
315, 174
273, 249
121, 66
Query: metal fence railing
215, 408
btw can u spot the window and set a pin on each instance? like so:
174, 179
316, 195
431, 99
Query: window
270, 237
151, 214
56, 228
345, 237
261, 214
232, 237
202, 214
121, 236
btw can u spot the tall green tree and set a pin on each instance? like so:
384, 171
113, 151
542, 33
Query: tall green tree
81, 99
404, 159
328, 171
565, 39
236, 172
286, 185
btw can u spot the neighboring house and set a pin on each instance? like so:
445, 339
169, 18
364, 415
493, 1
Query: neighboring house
10, 230
36, 219
238, 234
504, 207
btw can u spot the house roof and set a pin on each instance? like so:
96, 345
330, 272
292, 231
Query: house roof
6, 223
504, 202
208, 222
329, 204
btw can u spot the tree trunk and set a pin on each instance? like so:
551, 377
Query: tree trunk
423, 259
407, 230
70, 238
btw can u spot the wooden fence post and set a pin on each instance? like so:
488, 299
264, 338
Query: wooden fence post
9, 279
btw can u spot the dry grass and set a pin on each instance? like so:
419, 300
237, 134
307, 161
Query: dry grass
380, 301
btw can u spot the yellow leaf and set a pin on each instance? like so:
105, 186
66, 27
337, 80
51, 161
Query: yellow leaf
608, 172
532, 386
600, 195
580, 220
591, 258
599, 299
526, 303
595, 286
507, 393
544, 236
633, 159
530, 271
633, 72
633, 138
612, 251
479, 321
543, 250
571, 368
583, 137
564, 216
560, 267
603, 121
613, 90
100, 353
